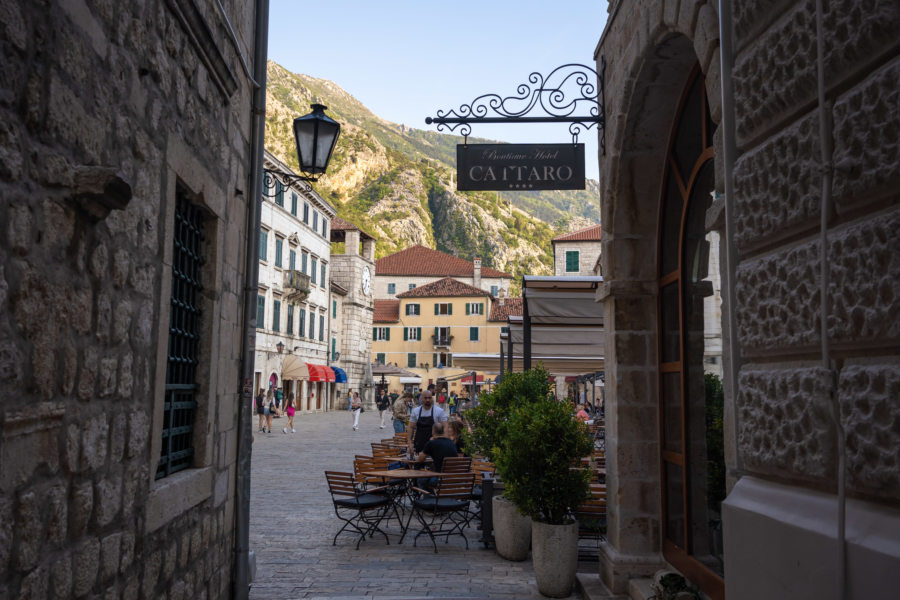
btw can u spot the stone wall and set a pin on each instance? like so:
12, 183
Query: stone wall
588, 253
104, 106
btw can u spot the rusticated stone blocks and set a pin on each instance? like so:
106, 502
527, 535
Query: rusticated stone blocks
777, 186
778, 295
784, 427
776, 74
867, 140
870, 412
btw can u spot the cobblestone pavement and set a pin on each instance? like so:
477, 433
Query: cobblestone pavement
292, 524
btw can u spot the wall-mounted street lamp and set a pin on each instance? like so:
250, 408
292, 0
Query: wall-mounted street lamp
316, 135
280, 347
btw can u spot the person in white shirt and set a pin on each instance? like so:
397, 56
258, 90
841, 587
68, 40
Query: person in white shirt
421, 420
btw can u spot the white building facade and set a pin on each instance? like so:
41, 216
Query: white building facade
295, 296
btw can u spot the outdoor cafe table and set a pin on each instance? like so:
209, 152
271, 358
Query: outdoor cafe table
408, 476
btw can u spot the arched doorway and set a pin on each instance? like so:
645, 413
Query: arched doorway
690, 349
273, 381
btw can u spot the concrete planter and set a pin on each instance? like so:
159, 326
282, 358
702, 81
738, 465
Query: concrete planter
555, 557
512, 530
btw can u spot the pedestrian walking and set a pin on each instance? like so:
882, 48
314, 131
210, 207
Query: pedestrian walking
261, 409
270, 409
355, 408
451, 403
289, 411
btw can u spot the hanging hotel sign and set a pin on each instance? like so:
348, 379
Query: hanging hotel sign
520, 167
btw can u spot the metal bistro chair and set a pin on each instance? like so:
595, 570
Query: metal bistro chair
443, 510
591, 517
361, 510
378, 485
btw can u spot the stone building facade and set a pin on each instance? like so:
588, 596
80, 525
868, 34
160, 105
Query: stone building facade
578, 253
294, 300
354, 271
125, 157
798, 438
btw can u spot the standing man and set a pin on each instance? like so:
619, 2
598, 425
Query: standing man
383, 403
400, 410
421, 421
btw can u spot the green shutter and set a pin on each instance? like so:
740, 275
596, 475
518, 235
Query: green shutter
387, 331
434, 360
467, 308
481, 309
449, 309
405, 334
435, 308
436, 334
419, 333
374, 334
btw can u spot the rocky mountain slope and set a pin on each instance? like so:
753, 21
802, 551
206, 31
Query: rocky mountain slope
396, 182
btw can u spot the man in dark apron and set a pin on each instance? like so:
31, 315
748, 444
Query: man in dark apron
421, 420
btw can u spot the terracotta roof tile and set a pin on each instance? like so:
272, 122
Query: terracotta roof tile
443, 288
588, 234
386, 311
419, 260
511, 307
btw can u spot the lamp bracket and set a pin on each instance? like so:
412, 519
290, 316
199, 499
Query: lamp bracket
548, 94
271, 178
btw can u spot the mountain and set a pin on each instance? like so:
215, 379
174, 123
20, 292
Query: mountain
396, 182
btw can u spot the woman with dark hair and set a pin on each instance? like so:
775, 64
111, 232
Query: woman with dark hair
455, 433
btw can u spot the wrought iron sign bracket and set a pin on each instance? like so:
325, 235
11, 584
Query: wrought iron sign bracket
272, 178
547, 94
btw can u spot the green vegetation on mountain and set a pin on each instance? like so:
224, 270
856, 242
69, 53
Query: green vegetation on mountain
397, 183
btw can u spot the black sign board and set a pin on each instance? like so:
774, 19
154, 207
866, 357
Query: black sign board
520, 166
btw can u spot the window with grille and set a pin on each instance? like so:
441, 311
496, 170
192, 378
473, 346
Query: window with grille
180, 406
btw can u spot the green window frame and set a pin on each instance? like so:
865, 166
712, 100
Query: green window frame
263, 244
380, 358
323, 280
333, 348
334, 309
411, 359
473, 334
572, 261
290, 320
276, 315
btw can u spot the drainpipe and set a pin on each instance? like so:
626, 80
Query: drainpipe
328, 355
825, 213
241, 588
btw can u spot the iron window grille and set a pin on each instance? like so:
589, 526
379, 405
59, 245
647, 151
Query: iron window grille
180, 405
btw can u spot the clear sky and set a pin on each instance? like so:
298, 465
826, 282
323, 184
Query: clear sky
405, 59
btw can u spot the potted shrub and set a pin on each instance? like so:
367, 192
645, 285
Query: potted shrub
512, 528
539, 460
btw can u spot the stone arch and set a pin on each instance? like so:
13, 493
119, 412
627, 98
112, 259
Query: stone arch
653, 83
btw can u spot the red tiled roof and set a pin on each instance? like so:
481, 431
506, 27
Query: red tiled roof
588, 234
386, 311
443, 288
419, 260
511, 307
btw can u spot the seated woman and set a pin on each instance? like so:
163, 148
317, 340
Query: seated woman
455, 434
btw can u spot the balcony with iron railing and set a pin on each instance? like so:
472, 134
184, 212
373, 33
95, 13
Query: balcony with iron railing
296, 285
442, 341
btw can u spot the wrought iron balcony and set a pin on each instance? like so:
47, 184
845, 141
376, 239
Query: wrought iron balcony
296, 285
442, 341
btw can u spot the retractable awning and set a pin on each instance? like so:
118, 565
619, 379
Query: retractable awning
410, 380
320, 372
340, 375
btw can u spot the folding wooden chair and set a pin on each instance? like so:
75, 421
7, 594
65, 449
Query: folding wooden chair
360, 510
443, 511
457, 464
591, 517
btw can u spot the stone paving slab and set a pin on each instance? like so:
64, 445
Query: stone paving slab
292, 524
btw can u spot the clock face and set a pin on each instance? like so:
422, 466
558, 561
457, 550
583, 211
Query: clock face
366, 280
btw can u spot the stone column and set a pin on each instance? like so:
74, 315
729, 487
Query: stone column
632, 544
351, 243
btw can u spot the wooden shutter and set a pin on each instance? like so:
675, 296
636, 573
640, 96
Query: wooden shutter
467, 308
435, 308
419, 333
374, 334
387, 331
405, 333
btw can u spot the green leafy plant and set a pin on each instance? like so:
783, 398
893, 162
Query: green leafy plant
673, 586
539, 460
490, 418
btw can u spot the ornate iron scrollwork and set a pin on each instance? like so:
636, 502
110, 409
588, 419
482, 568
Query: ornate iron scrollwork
564, 91
273, 179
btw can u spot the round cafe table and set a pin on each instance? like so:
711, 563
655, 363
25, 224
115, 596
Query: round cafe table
408, 476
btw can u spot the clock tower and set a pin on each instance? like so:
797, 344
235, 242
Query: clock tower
354, 270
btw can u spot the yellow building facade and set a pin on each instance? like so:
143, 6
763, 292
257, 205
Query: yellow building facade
422, 329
